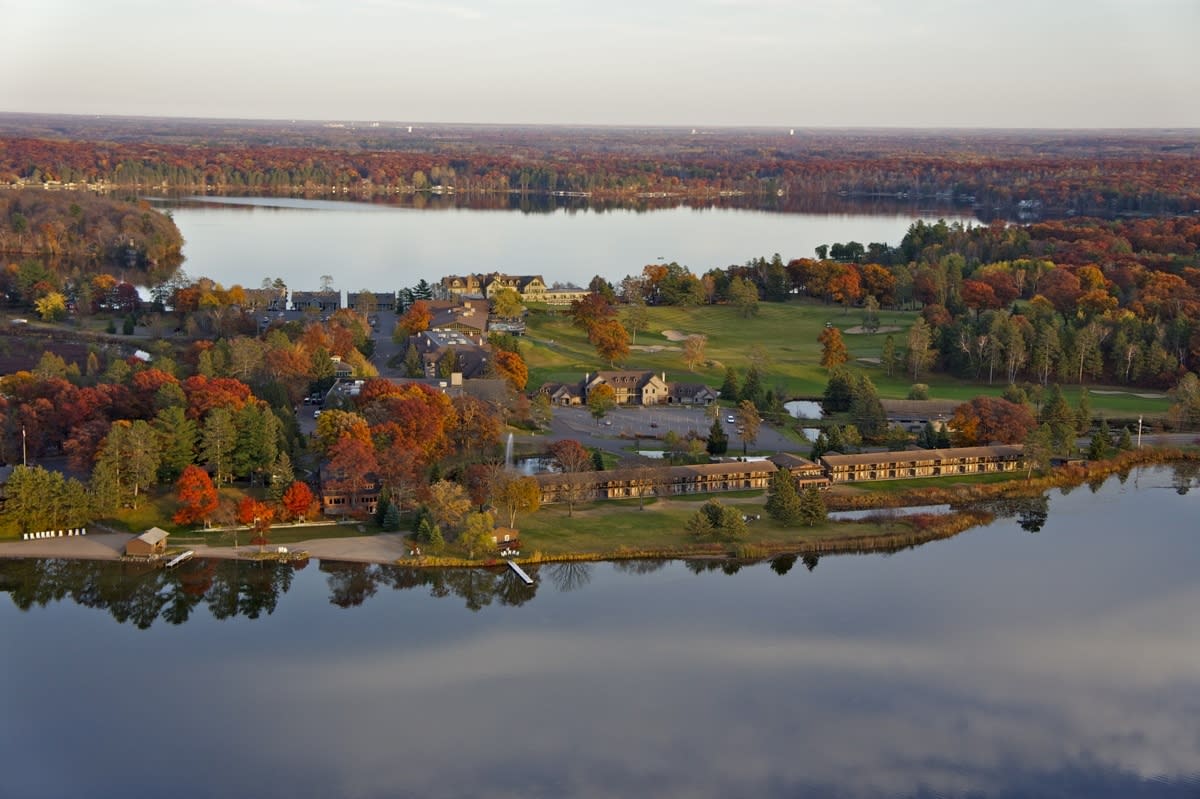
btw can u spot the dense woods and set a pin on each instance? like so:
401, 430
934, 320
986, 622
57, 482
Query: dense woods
1086, 173
81, 228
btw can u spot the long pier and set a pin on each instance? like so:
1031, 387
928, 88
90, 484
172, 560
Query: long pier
520, 572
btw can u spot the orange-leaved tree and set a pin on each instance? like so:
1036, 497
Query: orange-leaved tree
197, 496
297, 501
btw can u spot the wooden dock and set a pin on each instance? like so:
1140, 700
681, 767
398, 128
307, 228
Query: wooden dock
180, 558
520, 572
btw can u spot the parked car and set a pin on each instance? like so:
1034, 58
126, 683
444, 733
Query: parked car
317, 413
730, 418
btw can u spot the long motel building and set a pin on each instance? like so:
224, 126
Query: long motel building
712, 478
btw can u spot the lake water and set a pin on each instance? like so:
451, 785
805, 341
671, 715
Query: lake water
384, 248
999, 663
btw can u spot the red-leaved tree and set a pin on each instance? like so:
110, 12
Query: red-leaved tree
197, 496
297, 501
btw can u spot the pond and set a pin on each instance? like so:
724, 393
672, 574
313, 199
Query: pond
999, 663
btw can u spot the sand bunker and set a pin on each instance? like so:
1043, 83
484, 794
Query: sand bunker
860, 329
653, 348
675, 335
1130, 393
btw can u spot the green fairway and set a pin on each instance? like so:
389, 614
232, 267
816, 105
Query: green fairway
787, 332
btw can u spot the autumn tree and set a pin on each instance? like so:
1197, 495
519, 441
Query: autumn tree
920, 351
575, 464
448, 503
414, 320
749, 422
694, 349
600, 400
515, 495
610, 340
984, 420
478, 535
833, 348
258, 517
506, 303
298, 501
196, 495
352, 467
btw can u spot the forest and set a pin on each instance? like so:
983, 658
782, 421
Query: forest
88, 230
1006, 173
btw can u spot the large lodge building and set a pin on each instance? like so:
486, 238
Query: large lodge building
707, 478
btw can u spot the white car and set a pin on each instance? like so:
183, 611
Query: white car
730, 419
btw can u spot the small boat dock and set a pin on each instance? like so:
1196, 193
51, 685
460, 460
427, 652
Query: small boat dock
180, 558
520, 572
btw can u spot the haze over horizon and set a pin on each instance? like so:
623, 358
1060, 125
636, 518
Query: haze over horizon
715, 63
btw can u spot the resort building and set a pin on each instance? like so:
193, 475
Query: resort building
531, 288
371, 301
921, 463
630, 387
320, 301
648, 481
807, 473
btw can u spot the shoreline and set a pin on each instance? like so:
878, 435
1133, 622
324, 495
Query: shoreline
391, 549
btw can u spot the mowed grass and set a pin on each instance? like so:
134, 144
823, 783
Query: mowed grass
614, 526
557, 351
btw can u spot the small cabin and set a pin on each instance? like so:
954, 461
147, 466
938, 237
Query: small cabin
150, 543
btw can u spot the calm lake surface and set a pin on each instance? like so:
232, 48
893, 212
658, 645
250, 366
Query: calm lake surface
1000, 663
384, 248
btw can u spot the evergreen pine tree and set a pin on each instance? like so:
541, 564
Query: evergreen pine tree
282, 476
783, 503
820, 446
425, 530
436, 541
718, 441
1101, 443
752, 389
391, 520
381, 510
730, 390
812, 507
1125, 440
597, 460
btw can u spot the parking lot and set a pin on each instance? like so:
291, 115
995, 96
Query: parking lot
626, 422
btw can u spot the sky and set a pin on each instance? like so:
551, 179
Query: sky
791, 63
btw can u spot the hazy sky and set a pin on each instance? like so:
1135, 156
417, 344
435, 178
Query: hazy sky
999, 63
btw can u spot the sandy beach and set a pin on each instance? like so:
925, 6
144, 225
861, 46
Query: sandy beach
384, 548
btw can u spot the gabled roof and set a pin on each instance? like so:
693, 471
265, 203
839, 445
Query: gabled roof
914, 456
154, 535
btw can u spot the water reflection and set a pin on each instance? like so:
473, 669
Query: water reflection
993, 664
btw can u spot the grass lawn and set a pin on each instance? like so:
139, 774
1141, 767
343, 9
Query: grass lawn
612, 526
557, 351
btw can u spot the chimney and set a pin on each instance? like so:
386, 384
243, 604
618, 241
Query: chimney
664, 376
